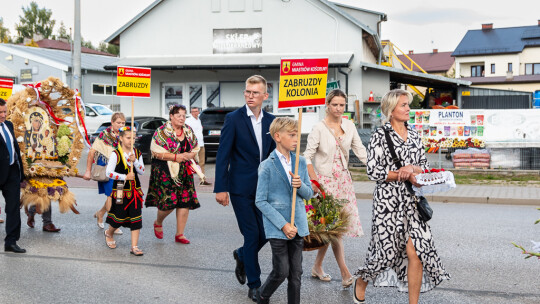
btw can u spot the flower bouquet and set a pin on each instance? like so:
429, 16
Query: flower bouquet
326, 219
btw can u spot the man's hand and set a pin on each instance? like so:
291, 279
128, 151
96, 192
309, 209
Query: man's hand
296, 182
222, 198
289, 230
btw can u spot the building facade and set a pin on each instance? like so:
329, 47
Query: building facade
201, 52
500, 58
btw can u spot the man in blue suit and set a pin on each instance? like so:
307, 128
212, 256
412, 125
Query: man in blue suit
11, 175
245, 142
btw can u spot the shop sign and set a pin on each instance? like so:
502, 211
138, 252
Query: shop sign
332, 85
302, 82
26, 75
6, 87
232, 41
133, 81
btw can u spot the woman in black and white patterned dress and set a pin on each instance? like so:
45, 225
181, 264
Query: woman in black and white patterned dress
401, 253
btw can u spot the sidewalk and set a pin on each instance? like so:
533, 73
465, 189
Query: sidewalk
480, 194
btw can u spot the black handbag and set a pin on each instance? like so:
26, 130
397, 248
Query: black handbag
424, 210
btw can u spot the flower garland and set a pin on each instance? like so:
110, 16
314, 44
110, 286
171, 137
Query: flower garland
55, 183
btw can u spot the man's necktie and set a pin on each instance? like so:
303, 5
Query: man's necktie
8, 142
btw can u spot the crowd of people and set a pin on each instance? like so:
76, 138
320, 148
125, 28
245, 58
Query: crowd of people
254, 173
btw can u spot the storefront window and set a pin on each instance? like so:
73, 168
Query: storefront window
173, 95
195, 95
268, 104
212, 95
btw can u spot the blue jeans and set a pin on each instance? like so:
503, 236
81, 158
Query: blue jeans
286, 264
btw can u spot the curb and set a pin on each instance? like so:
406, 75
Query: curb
471, 200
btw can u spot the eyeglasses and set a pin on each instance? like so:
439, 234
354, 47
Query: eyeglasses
252, 93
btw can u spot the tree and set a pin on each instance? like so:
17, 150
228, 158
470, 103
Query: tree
4, 32
109, 48
62, 32
34, 21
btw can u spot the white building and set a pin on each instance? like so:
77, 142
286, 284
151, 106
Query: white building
201, 52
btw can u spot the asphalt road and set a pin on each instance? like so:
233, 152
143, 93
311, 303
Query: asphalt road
75, 266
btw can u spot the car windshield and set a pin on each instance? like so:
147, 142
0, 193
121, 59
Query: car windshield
102, 110
213, 117
108, 124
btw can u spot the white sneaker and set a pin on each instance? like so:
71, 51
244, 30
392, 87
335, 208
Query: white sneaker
118, 231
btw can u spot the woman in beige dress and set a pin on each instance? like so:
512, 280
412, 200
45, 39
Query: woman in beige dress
327, 156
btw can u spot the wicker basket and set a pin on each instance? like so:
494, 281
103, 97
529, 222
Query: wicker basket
313, 242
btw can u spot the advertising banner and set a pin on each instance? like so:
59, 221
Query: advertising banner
234, 41
6, 87
133, 81
302, 82
476, 128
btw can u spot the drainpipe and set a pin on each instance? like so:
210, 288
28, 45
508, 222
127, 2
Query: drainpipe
346, 86
381, 51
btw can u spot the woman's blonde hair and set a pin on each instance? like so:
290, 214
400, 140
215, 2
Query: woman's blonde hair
283, 124
390, 101
117, 115
335, 93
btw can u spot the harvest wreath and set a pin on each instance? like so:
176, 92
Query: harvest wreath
48, 120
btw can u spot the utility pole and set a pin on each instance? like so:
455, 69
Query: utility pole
77, 48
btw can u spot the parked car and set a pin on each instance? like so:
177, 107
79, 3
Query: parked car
96, 114
145, 127
212, 120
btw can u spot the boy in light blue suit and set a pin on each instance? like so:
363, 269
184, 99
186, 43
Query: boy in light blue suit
274, 199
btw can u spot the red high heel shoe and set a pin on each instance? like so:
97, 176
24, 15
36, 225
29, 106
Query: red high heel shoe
159, 234
181, 239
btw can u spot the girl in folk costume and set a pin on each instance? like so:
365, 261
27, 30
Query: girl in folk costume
124, 166
103, 146
173, 147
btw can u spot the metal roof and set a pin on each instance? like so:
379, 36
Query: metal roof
59, 58
498, 41
430, 62
416, 78
504, 79
227, 61
5, 72
360, 9
115, 35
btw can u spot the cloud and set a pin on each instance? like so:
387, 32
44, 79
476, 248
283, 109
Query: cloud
437, 15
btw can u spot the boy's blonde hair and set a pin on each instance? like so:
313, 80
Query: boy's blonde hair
283, 124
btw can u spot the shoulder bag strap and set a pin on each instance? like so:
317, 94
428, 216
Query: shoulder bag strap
337, 139
395, 158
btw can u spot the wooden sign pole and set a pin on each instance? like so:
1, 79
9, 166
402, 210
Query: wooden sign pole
132, 125
296, 163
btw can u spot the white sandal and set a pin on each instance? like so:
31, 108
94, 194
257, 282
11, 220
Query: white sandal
136, 251
111, 244
325, 277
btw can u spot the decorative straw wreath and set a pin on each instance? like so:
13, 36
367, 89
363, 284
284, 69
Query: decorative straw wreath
48, 119
327, 221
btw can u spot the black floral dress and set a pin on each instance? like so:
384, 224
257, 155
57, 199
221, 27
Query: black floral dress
395, 217
166, 193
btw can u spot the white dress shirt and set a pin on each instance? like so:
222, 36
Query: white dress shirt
2, 126
195, 124
287, 165
111, 166
257, 128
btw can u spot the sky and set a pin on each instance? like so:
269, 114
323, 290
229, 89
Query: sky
419, 25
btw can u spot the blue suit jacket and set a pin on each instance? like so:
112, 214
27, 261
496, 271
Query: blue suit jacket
238, 157
274, 197
4, 155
